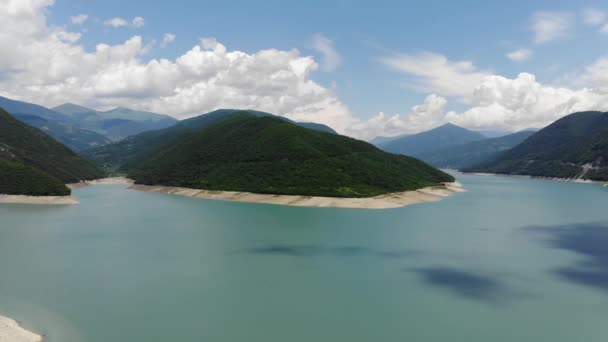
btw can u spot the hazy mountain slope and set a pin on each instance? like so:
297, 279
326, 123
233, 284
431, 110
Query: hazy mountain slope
270, 155
475, 152
435, 139
75, 138
573, 146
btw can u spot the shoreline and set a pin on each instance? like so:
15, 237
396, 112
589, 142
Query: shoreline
555, 179
38, 200
101, 181
12, 331
387, 201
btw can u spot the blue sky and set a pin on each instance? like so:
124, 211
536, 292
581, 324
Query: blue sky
364, 35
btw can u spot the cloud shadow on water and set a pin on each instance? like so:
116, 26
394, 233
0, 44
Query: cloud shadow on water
466, 284
338, 251
589, 240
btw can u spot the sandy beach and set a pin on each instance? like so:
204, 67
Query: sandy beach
11, 331
46, 200
393, 200
102, 181
556, 179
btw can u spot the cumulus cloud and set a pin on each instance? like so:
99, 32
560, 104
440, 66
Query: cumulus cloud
137, 22
168, 38
206, 77
79, 19
520, 55
331, 59
594, 17
550, 26
116, 22
494, 101
38, 66
436, 73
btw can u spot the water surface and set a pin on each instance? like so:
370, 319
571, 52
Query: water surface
510, 260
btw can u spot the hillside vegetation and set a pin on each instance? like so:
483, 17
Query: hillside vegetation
117, 154
575, 146
29, 151
263, 154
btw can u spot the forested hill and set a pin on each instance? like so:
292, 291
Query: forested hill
33, 153
575, 146
269, 155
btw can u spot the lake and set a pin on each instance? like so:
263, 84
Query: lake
512, 259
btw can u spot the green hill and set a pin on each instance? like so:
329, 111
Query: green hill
23, 148
264, 154
575, 146
17, 178
475, 152
441, 137
116, 154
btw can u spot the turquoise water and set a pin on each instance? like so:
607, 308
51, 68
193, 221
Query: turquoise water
509, 260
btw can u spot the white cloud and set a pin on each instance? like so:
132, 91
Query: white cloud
38, 66
520, 55
79, 19
437, 74
550, 26
138, 22
594, 17
206, 77
168, 38
331, 59
116, 22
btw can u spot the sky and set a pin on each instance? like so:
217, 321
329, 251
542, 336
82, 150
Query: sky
365, 68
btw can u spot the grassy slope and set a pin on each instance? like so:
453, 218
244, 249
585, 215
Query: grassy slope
270, 155
559, 150
32, 147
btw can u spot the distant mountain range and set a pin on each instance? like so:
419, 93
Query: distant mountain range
33, 163
115, 124
261, 153
441, 137
575, 146
82, 128
472, 153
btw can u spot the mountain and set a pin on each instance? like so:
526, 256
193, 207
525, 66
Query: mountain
18, 107
116, 124
75, 138
474, 152
118, 153
265, 154
71, 109
33, 161
59, 125
435, 139
575, 146
381, 141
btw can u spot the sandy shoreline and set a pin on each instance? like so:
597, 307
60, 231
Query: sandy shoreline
43, 200
393, 200
556, 179
11, 331
102, 181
